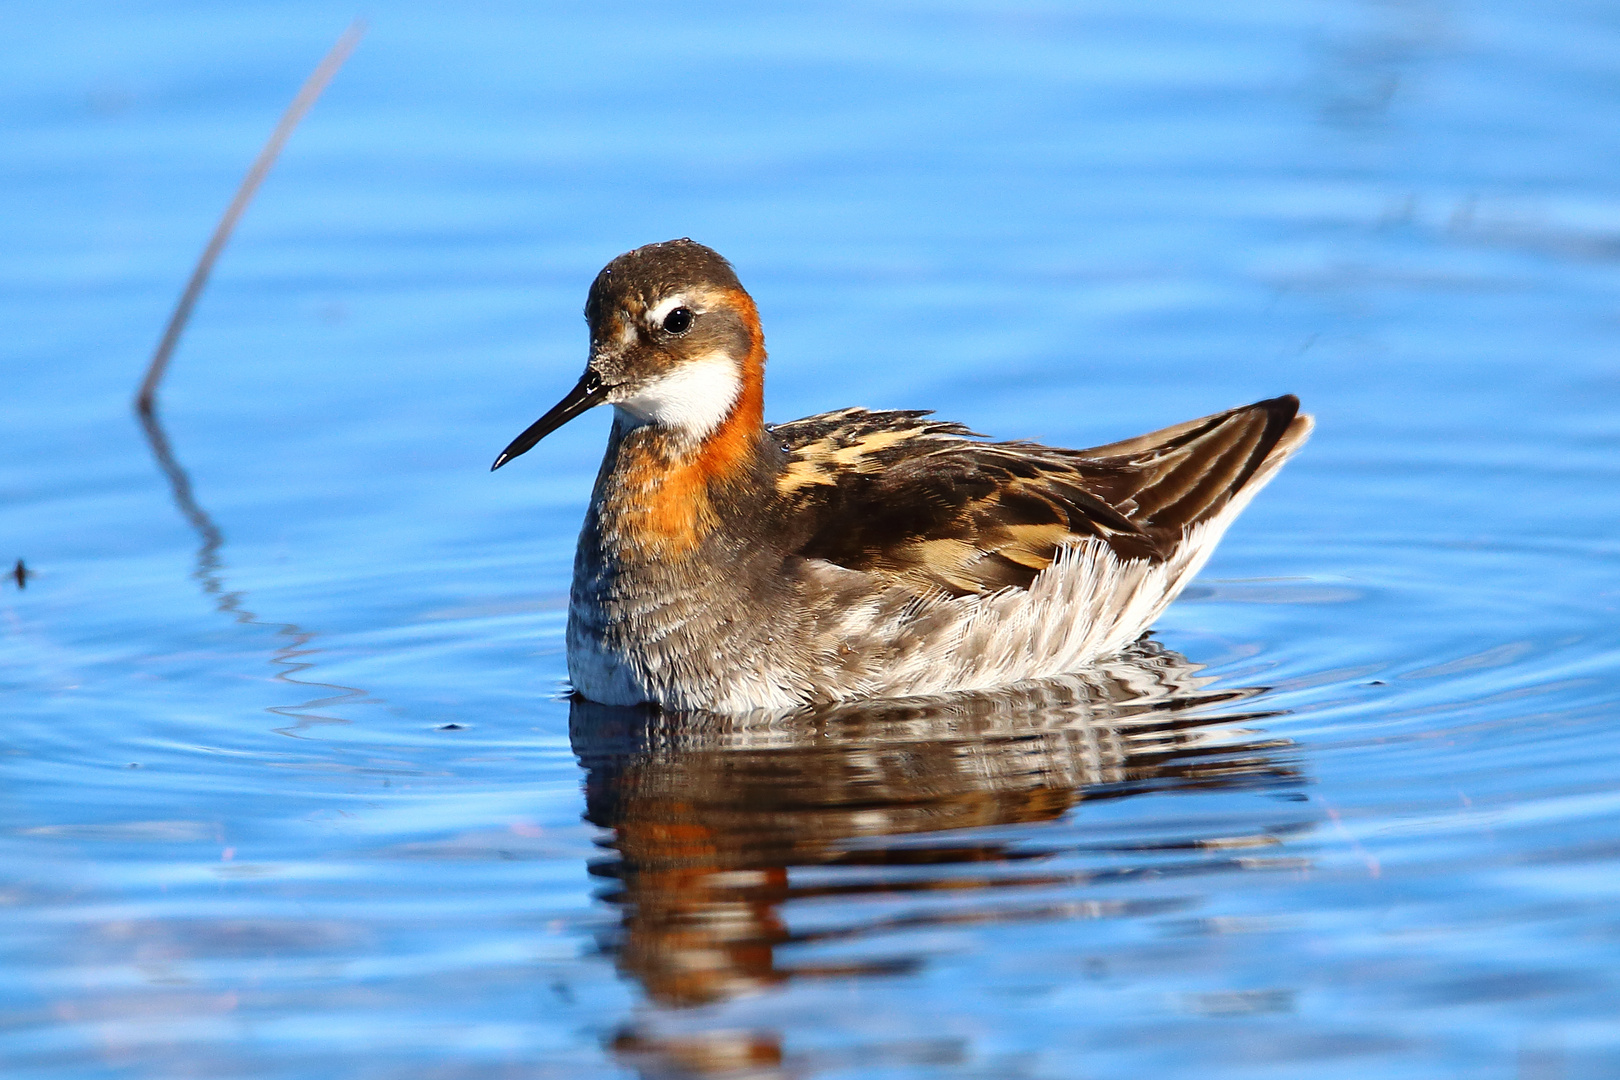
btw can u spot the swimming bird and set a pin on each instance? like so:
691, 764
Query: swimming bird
728, 565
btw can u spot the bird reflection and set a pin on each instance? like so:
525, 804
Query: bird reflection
718, 823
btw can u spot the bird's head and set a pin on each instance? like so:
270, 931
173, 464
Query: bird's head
675, 342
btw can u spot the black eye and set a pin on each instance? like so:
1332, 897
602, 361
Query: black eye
678, 321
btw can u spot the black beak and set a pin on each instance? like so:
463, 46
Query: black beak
589, 392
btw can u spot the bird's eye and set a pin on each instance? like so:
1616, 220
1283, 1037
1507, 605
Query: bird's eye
678, 321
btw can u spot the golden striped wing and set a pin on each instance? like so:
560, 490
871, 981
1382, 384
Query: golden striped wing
929, 503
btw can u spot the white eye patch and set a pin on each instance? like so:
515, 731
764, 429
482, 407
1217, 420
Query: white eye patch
691, 399
658, 313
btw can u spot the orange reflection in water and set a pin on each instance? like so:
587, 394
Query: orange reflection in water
720, 822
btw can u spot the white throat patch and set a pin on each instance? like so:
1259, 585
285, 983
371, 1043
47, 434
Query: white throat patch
692, 399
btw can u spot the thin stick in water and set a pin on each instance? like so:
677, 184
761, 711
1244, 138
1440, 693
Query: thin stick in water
146, 399
291, 656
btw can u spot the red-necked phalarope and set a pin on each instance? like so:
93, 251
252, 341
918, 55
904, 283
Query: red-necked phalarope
729, 565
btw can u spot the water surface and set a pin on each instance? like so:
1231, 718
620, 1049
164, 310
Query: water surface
293, 791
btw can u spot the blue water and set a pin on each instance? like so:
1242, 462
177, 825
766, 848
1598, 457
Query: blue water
303, 799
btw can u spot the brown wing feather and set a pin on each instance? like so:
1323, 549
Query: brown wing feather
925, 502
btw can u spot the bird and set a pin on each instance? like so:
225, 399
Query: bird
726, 565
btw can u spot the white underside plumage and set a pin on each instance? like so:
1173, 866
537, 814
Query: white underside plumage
1087, 606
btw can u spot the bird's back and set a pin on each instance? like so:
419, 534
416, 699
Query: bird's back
984, 563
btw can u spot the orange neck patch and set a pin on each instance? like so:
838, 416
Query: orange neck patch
663, 501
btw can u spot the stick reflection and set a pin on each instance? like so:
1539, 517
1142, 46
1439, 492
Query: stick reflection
720, 823
290, 656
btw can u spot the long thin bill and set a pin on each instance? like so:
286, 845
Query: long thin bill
587, 393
